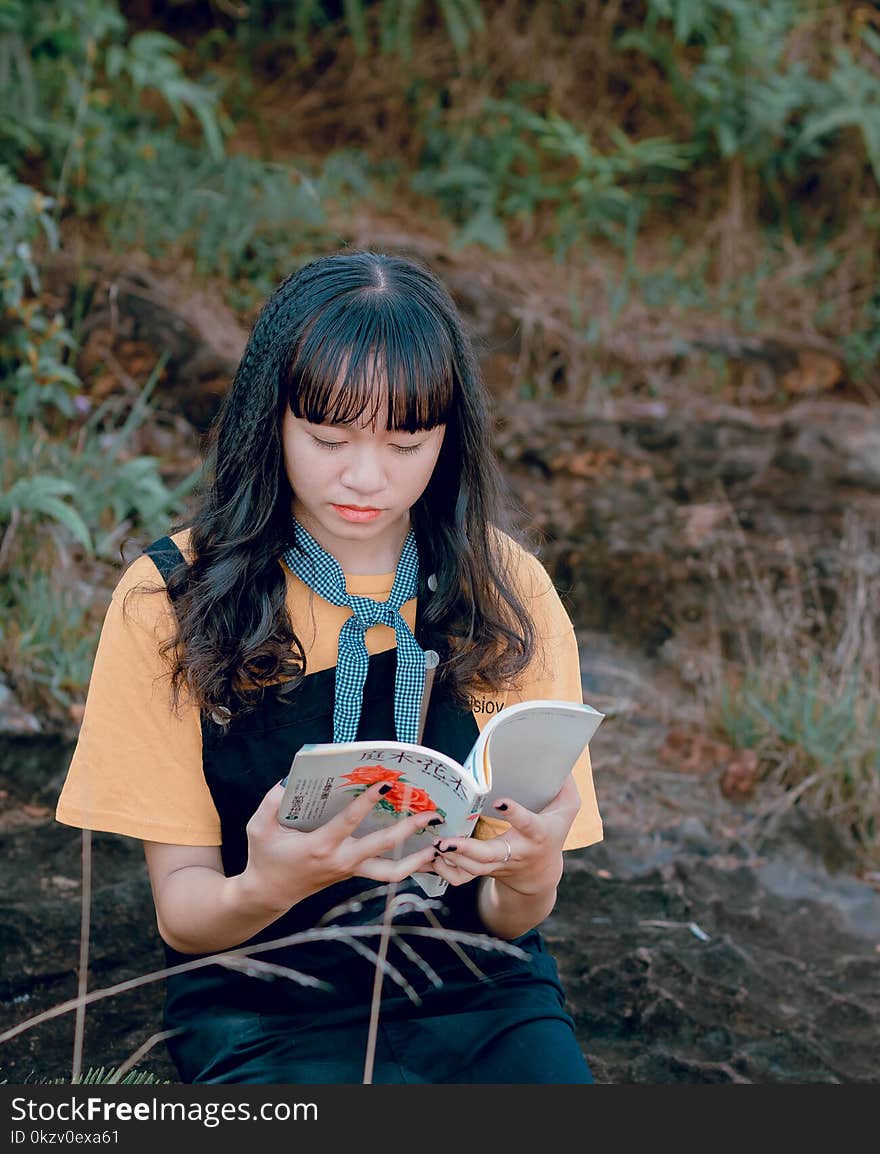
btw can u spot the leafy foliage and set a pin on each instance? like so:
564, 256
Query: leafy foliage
506, 164
69, 482
241, 218
74, 84
754, 123
386, 26
731, 68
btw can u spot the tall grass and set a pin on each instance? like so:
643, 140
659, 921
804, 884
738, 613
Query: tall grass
245, 959
800, 684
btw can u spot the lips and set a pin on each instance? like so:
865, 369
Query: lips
357, 514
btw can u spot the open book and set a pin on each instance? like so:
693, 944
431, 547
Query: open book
525, 752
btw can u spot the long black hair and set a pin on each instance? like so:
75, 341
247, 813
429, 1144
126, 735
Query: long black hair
322, 343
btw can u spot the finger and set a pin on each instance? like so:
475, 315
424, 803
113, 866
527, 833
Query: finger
269, 804
478, 856
383, 840
525, 819
522, 819
348, 819
396, 869
454, 873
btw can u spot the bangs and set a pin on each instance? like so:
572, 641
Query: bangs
367, 356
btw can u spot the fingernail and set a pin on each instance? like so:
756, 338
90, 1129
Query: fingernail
502, 805
283, 781
448, 848
386, 788
436, 844
436, 821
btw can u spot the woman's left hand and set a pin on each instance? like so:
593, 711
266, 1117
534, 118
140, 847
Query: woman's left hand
527, 857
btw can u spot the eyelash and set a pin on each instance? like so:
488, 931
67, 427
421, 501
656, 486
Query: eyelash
331, 446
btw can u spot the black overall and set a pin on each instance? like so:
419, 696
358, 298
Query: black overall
504, 1025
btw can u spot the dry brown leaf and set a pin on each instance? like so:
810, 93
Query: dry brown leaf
589, 463
740, 775
35, 810
693, 752
814, 373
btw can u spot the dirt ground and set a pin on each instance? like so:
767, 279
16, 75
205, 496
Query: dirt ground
696, 944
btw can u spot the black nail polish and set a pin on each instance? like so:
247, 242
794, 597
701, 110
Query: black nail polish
502, 805
436, 821
386, 788
448, 848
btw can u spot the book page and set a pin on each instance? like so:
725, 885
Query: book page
531, 747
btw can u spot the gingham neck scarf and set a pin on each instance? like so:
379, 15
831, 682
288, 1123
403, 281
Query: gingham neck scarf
323, 573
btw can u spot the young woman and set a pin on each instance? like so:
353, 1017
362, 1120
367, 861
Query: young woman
352, 522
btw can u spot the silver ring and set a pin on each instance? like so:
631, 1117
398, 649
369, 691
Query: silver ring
506, 859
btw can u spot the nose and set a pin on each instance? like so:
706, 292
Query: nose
364, 472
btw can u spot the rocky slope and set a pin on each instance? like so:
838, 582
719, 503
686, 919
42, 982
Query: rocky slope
718, 934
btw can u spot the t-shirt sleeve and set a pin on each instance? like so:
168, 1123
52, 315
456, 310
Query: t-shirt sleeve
137, 766
554, 674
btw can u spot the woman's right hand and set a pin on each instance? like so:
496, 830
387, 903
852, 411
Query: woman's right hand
286, 865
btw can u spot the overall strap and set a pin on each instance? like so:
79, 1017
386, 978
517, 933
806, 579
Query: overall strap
165, 556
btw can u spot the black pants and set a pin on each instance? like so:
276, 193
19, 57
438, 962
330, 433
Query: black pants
539, 1051
511, 1029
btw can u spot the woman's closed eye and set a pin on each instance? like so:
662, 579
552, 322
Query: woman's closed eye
331, 445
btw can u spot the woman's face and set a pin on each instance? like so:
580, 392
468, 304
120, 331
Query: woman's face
354, 485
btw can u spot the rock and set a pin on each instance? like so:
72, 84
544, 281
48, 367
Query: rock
15, 720
650, 510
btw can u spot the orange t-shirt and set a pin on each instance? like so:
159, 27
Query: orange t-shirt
137, 766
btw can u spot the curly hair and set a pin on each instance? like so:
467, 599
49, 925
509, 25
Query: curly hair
348, 335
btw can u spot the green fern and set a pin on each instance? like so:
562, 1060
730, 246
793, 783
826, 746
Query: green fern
386, 25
